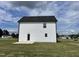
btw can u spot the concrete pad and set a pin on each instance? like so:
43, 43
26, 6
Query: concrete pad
28, 42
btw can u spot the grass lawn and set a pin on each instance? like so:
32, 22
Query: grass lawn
64, 48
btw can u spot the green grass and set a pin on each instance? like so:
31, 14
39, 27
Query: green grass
64, 48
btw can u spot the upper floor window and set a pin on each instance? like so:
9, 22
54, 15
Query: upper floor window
44, 25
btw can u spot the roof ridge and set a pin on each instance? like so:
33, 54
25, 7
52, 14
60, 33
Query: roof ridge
38, 19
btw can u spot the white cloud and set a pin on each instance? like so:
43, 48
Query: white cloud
67, 13
44, 9
5, 5
4, 12
69, 19
4, 16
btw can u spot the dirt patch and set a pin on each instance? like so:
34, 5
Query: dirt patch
71, 51
74, 44
2, 54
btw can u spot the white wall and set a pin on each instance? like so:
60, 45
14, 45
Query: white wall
37, 32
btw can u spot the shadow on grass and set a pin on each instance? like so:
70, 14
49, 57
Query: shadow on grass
58, 41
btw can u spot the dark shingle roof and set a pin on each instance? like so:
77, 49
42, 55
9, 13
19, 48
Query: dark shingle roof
38, 19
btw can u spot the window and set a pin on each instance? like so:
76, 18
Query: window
28, 37
45, 34
44, 25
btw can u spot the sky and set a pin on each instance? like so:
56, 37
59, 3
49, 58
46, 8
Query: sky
66, 12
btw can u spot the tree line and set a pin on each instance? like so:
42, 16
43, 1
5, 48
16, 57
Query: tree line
6, 33
72, 36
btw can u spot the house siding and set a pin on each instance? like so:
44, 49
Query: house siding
37, 32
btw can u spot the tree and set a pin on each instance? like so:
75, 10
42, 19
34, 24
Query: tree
74, 36
57, 35
17, 35
5, 32
1, 32
13, 35
71, 36
77, 35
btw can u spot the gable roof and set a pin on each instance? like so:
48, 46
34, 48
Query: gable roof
38, 19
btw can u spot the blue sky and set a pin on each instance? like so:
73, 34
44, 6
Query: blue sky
66, 12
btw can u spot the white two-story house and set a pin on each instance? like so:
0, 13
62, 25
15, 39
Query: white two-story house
37, 29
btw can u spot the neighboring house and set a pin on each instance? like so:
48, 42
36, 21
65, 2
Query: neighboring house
6, 36
37, 29
64, 37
